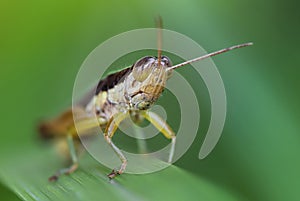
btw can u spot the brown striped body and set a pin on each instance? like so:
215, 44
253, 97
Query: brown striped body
132, 89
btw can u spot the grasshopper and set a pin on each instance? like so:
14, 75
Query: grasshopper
127, 93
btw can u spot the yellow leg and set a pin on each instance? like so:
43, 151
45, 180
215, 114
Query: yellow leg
109, 132
164, 128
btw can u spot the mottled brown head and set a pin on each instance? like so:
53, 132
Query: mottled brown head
147, 81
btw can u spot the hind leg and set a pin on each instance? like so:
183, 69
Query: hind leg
74, 159
71, 136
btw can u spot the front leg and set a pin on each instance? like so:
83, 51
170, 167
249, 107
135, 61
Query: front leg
111, 128
164, 128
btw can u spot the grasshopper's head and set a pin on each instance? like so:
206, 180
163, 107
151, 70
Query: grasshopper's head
147, 81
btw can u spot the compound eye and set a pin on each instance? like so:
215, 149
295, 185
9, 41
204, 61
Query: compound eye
143, 68
166, 60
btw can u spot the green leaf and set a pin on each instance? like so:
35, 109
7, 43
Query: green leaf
27, 173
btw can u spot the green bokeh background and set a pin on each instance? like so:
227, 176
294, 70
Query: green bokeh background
43, 43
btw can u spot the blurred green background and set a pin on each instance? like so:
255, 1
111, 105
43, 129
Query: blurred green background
43, 44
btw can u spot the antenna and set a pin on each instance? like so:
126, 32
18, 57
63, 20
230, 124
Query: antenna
210, 55
159, 37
